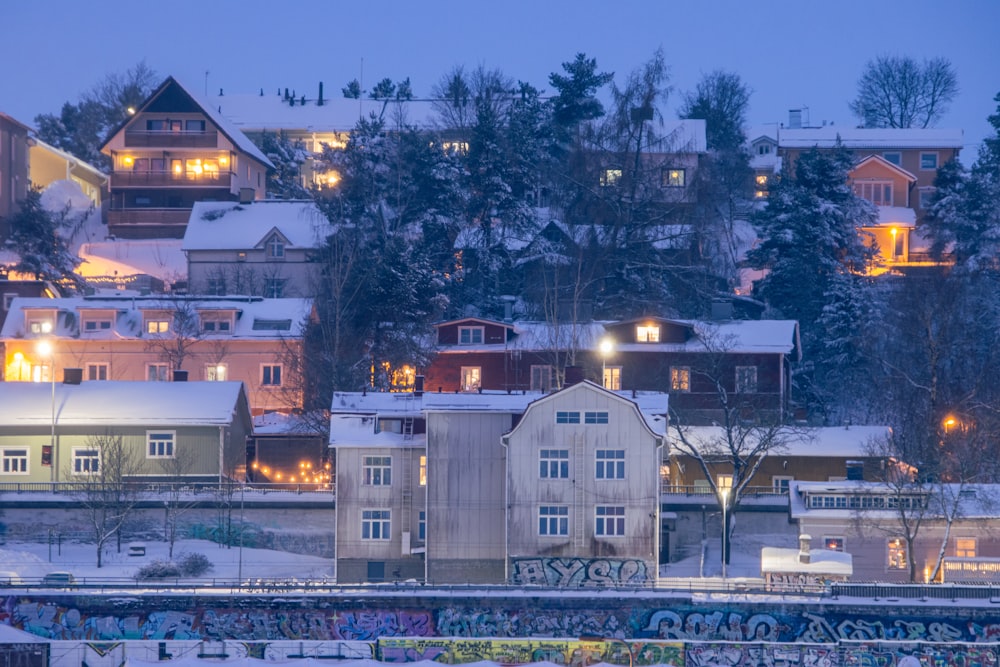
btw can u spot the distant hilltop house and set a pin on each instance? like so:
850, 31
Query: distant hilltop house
173, 151
162, 338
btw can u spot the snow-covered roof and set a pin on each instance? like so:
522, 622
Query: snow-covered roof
878, 138
73, 160
235, 226
161, 258
119, 403
683, 136
255, 317
900, 216
256, 112
823, 442
975, 501
821, 561
360, 431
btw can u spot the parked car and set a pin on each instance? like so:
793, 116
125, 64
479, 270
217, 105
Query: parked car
10, 579
59, 580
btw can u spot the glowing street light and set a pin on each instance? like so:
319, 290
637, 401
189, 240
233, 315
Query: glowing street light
725, 529
606, 347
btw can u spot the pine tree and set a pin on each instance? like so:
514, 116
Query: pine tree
35, 237
287, 156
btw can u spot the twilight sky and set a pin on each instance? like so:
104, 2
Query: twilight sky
793, 54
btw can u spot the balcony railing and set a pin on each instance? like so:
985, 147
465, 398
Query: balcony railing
148, 216
168, 179
142, 139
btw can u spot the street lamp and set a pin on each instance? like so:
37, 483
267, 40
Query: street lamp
606, 347
46, 349
725, 530
600, 638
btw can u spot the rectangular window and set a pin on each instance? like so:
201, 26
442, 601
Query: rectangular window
553, 520
893, 157
541, 378
86, 461
965, 547
216, 286
275, 248
216, 372
649, 333
270, 375
613, 378
724, 482
780, 483
597, 417
156, 372
553, 464
194, 126
672, 178
157, 326
680, 378
97, 371
877, 192
375, 524
376, 470
214, 325
833, 543
897, 554
471, 378
160, 444
610, 177
14, 461
610, 521
274, 288
470, 335
928, 161
41, 373
610, 464
40, 326
93, 326
422, 472
422, 526
567, 417
746, 379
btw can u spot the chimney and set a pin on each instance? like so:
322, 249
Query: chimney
319, 102
418, 385
72, 375
180, 376
795, 119
508, 307
804, 541
574, 375
722, 309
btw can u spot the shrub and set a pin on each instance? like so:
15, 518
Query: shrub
194, 565
158, 569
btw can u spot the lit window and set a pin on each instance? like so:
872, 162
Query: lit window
40, 326
672, 178
160, 444
613, 378
610, 464
14, 461
647, 333
833, 543
897, 554
553, 464
746, 379
680, 378
216, 372
541, 378
157, 326
470, 335
375, 524
567, 417
270, 375
611, 177
761, 180
457, 147
471, 378
965, 547
376, 470
86, 461
610, 521
97, 371
156, 372
553, 520
724, 482
422, 472
928, 161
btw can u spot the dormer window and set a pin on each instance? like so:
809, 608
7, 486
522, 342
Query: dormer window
275, 248
470, 335
217, 326
93, 325
157, 325
647, 333
41, 325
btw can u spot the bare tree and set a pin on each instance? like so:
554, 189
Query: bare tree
177, 500
176, 345
897, 91
103, 486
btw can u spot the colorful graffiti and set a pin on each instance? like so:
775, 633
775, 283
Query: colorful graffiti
520, 651
578, 572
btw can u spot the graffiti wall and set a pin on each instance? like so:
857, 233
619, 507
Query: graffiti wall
578, 572
520, 651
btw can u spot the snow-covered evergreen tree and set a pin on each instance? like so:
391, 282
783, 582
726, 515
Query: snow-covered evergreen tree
35, 235
285, 181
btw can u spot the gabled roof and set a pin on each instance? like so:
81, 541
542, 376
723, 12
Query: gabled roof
823, 442
875, 138
228, 129
235, 226
882, 162
117, 403
69, 158
474, 320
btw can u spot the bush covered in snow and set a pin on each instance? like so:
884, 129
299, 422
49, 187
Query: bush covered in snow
186, 565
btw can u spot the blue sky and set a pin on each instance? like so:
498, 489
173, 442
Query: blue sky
792, 54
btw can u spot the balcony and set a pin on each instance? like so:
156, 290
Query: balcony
167, 179
120, 221
149, 139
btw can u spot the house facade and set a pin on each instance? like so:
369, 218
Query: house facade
158, 338
266, 248
14, 174
173, 151
50, 164
60, 433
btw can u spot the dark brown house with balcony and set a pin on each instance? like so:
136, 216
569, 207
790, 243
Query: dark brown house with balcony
173, 152
750, 359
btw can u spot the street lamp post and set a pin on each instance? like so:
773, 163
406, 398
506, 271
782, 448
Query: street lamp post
46, 349
725, 530
606, 347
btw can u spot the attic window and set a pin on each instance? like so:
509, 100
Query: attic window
275, 248
470, 335
272, 325
647, 333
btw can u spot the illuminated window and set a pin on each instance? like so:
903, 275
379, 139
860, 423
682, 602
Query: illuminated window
965, 547
897, 554
611, 177
928, 161
156, 372
86, 461
14, 461
40, 326
834, 543
97, 371
672, 178
647, 333
376, 470
610, 464
216, 372
422, 471
724, 482
470, 335
553, 520
761, 180
613, 378
457, 147
157, 326
541, 378
160, 444
471, 378
375, 524
41, 373
610, 521
403, 378
746, 379
553, 464
680, 378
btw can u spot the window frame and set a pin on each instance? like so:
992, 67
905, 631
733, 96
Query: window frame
12, 458
98, 366
212, 372
680, 379
746, 385
165, 447
929, 154
159, 365
897, 556
609, 461
470, 334
553, 520
422, 525
275, 248
925, 196
268, 377
673, 177
834, 543
542, 377
85, 457
612, 378
93, 325
897, 158
609, 521
376, 521
781, 483
867, 189
376, 470
647, 333
567, 416
965, 551
595, 417
610, 178
465, 377
553, 460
